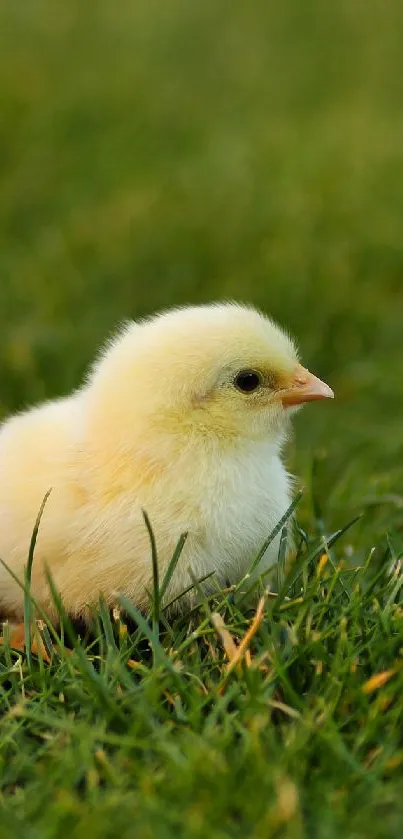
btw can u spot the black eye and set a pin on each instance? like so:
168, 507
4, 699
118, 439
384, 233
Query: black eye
248, 380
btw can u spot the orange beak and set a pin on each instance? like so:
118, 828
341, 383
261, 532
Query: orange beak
304, 387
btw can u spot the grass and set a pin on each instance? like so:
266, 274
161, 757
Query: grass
221, 724
154, 153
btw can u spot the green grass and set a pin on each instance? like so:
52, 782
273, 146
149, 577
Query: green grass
161, 152
140, 735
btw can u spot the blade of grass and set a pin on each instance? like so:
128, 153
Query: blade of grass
28, 578
282, 552
159, 655
172, 565
276, 530
106, 622
156, 586
60, 611
187, 590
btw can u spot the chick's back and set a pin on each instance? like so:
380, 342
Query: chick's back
92, 535
37, 454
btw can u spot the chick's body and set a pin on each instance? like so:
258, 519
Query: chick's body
163, 425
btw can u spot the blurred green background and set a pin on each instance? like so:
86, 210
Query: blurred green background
154, 153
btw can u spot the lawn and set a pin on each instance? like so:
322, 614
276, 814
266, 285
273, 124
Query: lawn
154, 153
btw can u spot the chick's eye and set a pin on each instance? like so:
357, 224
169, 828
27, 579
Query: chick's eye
247, 381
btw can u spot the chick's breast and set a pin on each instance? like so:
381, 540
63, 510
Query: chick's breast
244, 498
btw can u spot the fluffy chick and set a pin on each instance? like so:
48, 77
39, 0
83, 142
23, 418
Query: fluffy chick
183, 415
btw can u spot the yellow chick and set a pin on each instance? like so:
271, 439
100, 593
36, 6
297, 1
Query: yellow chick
183, 415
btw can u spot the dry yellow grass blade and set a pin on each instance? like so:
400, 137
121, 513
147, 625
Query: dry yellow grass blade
324, 559
244, 644
377, 681
242, 649
230, 647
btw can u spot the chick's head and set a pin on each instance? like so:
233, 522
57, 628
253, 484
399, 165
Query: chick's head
224, 371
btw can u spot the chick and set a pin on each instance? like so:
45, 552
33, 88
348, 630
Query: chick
183, 415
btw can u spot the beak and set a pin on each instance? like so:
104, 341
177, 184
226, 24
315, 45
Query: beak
304, 387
